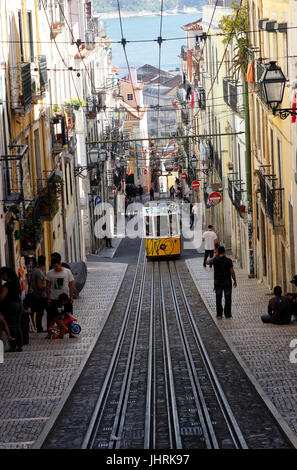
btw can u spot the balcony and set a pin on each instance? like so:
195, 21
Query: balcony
21, 88
13, 175
235, 193
232, 91
201, 98
59, 133
48, 198
218, 164
271, 197
260, 68
39, 78
30, 232
185, 115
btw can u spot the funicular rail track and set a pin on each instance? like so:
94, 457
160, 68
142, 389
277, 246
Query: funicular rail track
161, 390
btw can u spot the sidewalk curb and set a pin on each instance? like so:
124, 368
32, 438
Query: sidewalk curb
272, 409
51, 421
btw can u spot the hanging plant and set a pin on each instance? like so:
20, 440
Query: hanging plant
29, 234
235, 28
48, 202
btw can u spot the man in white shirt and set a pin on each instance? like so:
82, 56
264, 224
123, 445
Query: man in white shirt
59, 280
210, 239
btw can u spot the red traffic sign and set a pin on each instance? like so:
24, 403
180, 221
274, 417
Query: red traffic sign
183, 176
214, 198
195, 185
114, 188
123, 180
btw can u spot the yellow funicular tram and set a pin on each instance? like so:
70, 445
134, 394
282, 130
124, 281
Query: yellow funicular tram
161, 229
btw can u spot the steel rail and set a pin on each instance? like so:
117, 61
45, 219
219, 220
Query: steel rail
201, 406
175, 433
119, 421
95, 420
230, 420
150, 409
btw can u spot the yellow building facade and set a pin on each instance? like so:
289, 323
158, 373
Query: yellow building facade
271, 148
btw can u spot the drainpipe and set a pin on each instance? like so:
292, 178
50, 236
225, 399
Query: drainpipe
248, 169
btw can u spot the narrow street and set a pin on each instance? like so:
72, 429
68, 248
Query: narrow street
111, 392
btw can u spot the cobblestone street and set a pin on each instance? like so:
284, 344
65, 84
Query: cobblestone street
35, 382
264, 349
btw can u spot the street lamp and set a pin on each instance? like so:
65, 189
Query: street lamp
102, 155
94, 155
194, 162
273, 85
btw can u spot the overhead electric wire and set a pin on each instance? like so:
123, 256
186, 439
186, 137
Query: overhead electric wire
125, 53
247, 31
225, 51
159, 84
63, 60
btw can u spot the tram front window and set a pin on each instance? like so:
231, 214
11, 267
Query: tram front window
148, 226
162, 226
174, 226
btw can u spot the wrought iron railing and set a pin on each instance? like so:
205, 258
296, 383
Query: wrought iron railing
218, 164
232, 92
235, 193
26, 98
42, 72
271, 197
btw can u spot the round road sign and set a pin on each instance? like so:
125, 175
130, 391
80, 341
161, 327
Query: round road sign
183, 176
195, 185
214, 198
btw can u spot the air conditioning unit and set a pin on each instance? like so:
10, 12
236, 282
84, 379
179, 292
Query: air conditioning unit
269, 25
261, 21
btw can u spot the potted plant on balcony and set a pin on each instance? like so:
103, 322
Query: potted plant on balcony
48, 203
29, 235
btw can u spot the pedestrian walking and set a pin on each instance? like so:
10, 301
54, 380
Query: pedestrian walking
223, 275
193, 214
279, 309
140, 191
152, 194
39, 293
172, 192
53, 259
59, 280
210, 239
11, 307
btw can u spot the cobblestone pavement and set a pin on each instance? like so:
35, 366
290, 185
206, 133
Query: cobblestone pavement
264, 349
34, 383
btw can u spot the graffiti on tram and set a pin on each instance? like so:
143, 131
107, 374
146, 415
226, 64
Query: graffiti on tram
162, 247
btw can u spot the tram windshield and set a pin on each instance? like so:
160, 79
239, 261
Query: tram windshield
161, 221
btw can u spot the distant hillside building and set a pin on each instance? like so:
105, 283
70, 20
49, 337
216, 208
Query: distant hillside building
159, 93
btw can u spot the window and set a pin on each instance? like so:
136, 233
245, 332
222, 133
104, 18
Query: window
70, 179
271, 151
21, 35
129, 96
66, 186
30, 35
38, 161
280, 179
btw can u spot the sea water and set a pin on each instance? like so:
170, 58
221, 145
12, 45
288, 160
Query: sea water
149, 28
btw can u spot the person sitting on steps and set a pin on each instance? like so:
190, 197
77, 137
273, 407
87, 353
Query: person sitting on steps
279, 309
